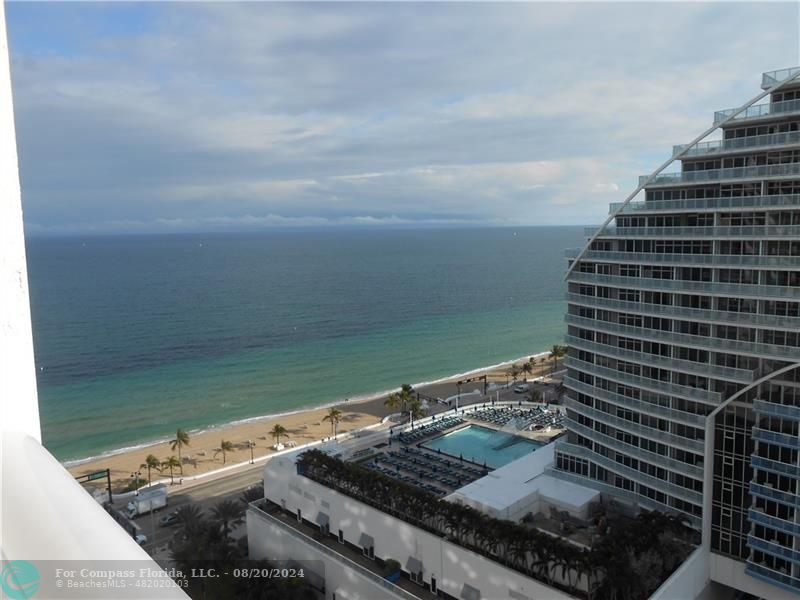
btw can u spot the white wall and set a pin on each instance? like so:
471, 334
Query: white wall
266, 540
688, 581
732, 573
450, 564
19, 408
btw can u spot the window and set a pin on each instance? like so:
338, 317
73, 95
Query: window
341, 536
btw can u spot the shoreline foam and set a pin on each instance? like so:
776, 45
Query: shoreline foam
369, 397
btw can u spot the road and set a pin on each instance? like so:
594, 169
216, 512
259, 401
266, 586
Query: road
229, 486
205, 494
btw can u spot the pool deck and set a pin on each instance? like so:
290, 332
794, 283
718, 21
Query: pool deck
441, 473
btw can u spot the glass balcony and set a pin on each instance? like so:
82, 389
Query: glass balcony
684, 339
765, 491
662, 437
687, 314
770, 78
773, 548
704, 204
638, 405
713, 260
637, 476
745, 231
610, 490
656, 459
679, 285
759, 111
731, 145
654, 385
777, 410
733, 173
772, 576
663, 362
774, 466
760, 517
773, 437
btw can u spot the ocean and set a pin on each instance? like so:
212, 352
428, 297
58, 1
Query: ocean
136, 336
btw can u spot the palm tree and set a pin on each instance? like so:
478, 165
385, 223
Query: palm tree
151, 462
181, 440
227, 513
557, 352
225, 446
278, 432
334, 416
400, 399
415, 408
514, 371
190, 519
170, 463
527, 369
252, 494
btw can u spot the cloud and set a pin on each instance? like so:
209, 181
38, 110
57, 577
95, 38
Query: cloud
202, 115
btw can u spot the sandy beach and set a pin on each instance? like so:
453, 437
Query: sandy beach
201, 455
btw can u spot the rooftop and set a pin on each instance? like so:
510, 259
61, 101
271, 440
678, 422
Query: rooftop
329, 544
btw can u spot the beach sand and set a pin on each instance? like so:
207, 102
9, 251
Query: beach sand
302, 427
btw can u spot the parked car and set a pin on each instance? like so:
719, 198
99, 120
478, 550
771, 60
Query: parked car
168, 520
522, 388
141, 539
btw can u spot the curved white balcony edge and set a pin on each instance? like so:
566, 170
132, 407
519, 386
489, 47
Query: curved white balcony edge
47, 515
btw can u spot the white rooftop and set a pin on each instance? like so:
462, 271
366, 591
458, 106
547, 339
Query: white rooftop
522, 486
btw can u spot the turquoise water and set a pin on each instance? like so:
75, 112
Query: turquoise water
483, 446
136, 336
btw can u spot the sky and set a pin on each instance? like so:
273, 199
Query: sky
180, 117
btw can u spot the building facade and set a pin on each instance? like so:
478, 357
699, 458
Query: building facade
683, 327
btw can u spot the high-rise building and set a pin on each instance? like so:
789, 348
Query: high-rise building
683, 327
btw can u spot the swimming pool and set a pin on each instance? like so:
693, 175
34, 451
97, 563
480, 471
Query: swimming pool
480, 444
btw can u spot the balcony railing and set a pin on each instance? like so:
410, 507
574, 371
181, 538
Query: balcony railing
774, 466
762, 407
651, 457
743, 231
684, 339
50, 517
389, 587
641, 406
741, 290
637, 476
757, 516
684, 313
764, 491
654, 385
772, 576
712, 260
773, 548
706, 204
758, 111
663, 362
662, 437
770, 78
735, 173
767, 141
774, 437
